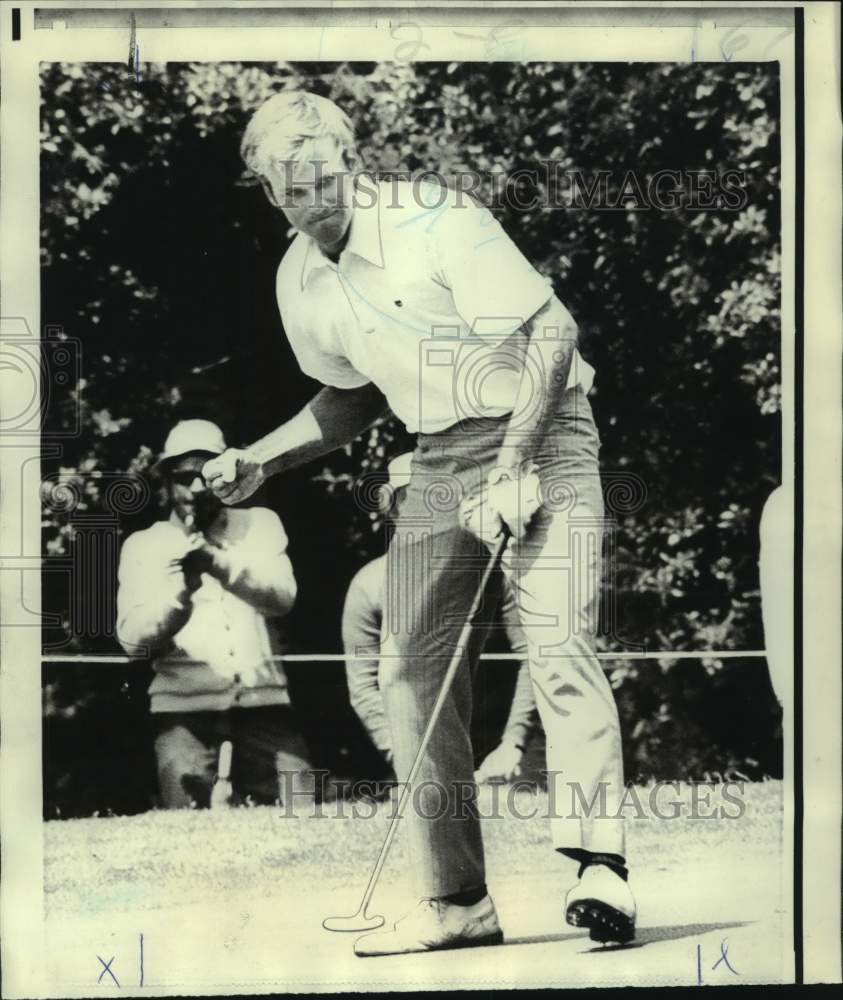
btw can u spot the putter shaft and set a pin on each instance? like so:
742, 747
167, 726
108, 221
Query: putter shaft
447, 681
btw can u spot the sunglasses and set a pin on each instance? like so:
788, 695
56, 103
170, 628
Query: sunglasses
187, 477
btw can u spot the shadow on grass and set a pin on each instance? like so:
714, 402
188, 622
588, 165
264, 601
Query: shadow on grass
653, 935
644, 936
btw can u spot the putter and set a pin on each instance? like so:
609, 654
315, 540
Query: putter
360, 920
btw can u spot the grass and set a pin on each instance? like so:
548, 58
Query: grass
162, 859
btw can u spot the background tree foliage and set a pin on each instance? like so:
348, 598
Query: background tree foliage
160, 258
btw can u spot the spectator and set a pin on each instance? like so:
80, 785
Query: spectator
361, 628
195, 592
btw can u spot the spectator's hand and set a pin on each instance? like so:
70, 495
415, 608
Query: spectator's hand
178, 550
197, 560
501, 765
234, 475
508, 497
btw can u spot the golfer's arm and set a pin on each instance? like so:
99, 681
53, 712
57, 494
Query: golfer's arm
547, 342
333, 418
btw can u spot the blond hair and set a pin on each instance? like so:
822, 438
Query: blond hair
282, 125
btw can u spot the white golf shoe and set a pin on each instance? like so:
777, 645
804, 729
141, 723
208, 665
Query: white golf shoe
435, 925
602, 902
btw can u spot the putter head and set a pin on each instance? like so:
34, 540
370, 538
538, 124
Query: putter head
356, 922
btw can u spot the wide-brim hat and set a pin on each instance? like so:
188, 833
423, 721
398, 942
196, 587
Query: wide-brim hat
191, 437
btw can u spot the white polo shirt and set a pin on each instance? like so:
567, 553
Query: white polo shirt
421, 302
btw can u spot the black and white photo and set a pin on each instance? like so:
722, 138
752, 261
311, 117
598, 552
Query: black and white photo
413, 514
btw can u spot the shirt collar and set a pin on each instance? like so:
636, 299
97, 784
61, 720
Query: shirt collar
364, 239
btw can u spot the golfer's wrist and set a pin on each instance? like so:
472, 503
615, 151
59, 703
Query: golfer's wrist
265, 460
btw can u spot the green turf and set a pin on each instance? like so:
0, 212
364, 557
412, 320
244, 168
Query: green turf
161, 859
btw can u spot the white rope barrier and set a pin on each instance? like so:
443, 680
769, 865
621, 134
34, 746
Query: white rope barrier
703, 654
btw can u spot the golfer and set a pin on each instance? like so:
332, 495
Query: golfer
410, 296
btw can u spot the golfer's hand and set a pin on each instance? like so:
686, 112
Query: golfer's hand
507, 498
234, 475
502, 764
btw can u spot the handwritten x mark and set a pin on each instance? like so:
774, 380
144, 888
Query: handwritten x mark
106, 967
